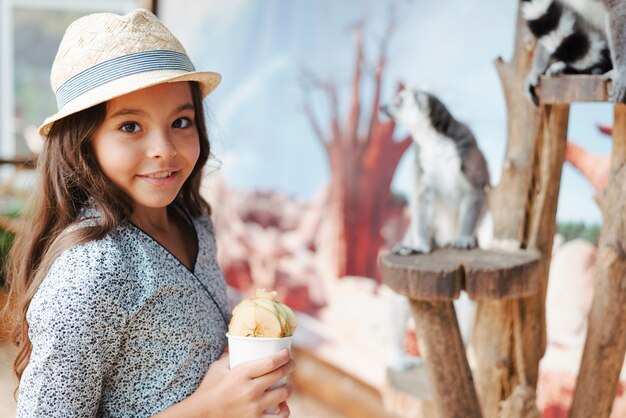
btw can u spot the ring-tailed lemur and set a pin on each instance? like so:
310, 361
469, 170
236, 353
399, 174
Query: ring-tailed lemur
578, 36
450, 174
447, 202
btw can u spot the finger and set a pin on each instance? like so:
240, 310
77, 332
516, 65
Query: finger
283, 411
268, 379
276, 396
256, 368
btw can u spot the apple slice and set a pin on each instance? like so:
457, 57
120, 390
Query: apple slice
243, 322
261, 293
267, 323
290, 317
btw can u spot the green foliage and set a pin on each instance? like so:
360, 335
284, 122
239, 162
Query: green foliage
581, 230
6, 240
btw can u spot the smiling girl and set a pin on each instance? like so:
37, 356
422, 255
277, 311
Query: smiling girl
122, 306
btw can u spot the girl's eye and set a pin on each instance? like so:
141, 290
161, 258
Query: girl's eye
130, 127
182, 123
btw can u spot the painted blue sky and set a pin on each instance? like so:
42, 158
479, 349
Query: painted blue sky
261, 48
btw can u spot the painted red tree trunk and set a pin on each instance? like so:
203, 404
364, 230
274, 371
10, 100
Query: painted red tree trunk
362, 166
606, 129
596, 168
361, 195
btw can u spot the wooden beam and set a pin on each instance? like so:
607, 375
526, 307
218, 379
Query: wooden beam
509, 200
605, 346
491, 341
565, 89
541, 228
441, 345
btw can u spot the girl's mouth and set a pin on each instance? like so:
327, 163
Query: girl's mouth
160, 175
161, 178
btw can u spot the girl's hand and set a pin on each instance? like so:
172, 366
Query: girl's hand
243, 391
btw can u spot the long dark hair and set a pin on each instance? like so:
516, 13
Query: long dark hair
69, 180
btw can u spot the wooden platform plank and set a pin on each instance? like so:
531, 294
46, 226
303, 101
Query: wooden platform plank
407, 393
502, 275
565, 89
333, 387
431, 276
442, 274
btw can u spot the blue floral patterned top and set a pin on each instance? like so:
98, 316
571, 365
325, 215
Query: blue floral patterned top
121, 328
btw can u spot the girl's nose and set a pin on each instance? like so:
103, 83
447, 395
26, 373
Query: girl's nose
161, 145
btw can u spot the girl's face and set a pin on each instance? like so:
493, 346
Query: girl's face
149, 144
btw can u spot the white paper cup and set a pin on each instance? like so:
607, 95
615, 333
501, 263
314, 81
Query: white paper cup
244, 349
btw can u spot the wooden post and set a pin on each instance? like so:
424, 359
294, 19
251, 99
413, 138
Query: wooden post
442, 347
509, 202
603, 355
492, 333
542, 228
491, 339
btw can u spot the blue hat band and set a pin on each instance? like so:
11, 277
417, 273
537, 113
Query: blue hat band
119, 67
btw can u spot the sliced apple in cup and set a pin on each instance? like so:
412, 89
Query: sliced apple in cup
262, 316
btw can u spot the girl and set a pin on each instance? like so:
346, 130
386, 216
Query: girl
122, 306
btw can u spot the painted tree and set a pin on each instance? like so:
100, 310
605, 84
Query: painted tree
363, 157
595, 168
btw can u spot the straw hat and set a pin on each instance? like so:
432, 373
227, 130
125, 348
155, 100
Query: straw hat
105, 55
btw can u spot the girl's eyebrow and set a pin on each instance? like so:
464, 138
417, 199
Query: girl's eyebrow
139, 112
135, 112
186, 106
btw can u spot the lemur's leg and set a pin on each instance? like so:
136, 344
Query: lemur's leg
445, 224
399, 314
541, 61
418, 236
465, 309
416, 240
556, 68
469, 214
616, 34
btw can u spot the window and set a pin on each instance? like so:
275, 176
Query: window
30, 33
